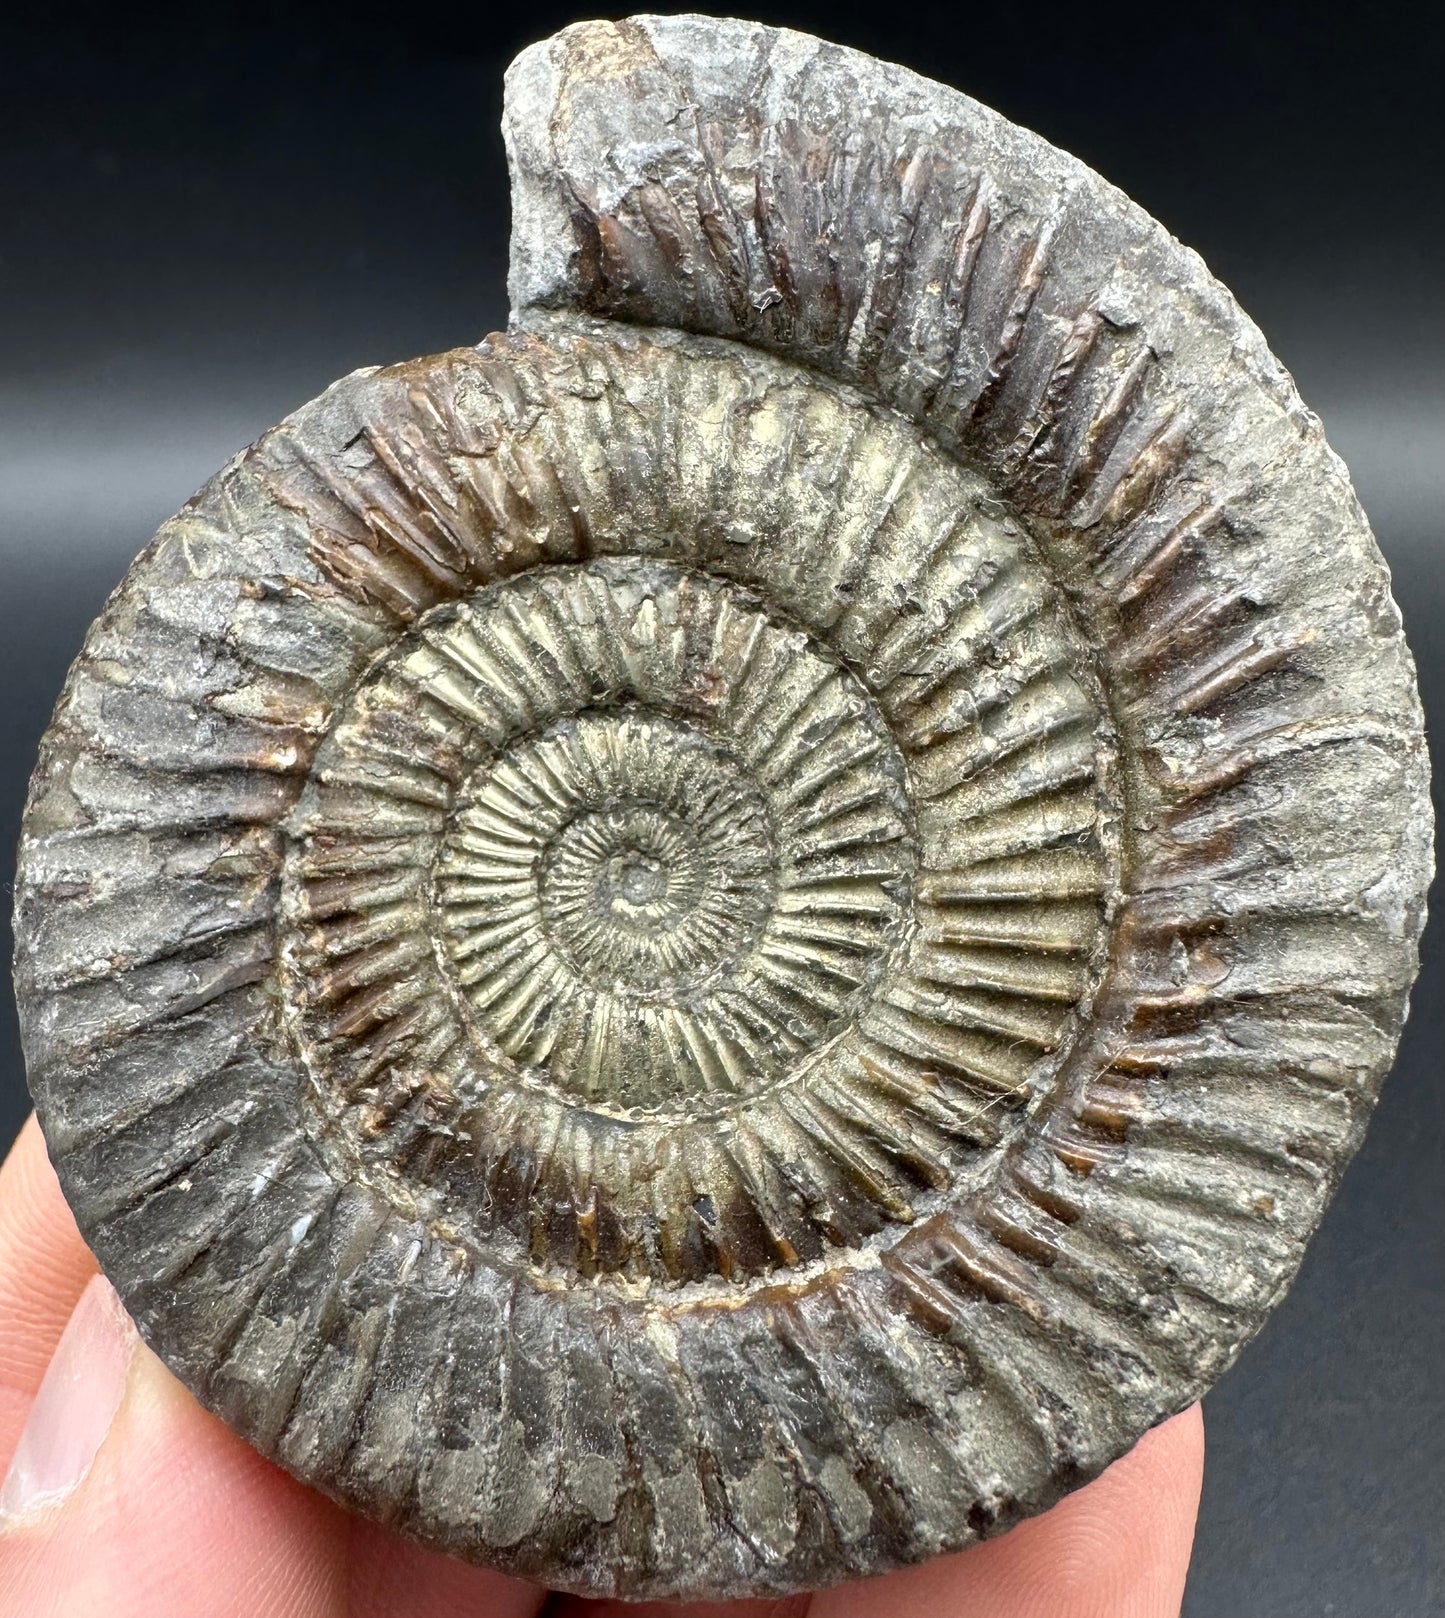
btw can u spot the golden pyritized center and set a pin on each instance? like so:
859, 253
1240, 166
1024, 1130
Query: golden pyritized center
622, 853
630, 897
679, 854
692, 864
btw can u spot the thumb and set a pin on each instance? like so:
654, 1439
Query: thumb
125, 1497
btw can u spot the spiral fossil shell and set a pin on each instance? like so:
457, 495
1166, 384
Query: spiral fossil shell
721, 943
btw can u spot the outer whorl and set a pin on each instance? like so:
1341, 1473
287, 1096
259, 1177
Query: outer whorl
723, 942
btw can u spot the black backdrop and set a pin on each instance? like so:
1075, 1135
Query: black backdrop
205, 217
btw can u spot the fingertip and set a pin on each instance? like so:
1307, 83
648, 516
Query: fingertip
44, 1266
175, 1513
72, 1413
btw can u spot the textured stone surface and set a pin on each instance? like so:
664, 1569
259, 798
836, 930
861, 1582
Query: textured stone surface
722, 943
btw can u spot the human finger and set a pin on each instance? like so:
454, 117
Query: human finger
125, 1497
393, 1578
44, 1267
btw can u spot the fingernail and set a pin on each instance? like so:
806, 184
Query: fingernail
74, 1408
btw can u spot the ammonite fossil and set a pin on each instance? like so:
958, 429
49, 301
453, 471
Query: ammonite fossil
723, 942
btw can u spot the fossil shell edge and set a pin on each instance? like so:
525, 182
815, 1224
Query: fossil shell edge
721, 944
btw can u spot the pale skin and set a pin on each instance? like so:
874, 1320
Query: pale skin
175, 1517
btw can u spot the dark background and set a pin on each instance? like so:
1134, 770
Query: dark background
207, 217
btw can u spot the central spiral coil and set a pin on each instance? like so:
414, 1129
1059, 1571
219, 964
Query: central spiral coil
641, 899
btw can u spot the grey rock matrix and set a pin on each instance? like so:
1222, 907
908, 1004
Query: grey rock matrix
722, 943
